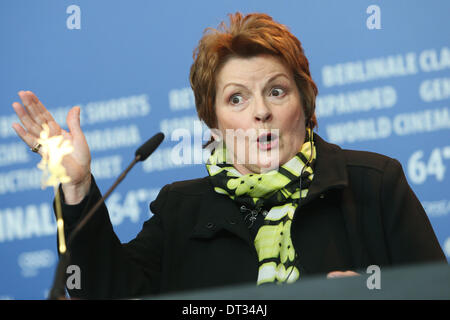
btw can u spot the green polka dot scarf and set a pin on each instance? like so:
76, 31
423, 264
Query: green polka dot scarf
279, 192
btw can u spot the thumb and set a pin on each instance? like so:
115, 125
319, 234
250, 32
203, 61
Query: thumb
73, 121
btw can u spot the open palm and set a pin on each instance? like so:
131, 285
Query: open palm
33, 115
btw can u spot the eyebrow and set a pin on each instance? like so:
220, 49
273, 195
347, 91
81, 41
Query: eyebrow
275, 76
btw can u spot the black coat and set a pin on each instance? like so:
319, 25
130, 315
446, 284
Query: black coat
359, 211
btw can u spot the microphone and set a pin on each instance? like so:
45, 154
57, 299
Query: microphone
141, 154
144, 151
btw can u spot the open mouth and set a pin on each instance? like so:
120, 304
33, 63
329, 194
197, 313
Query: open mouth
267, 141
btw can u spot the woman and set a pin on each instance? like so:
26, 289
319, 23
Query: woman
279, 202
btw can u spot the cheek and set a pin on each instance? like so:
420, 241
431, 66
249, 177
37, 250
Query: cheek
231, 120
225, 122
295, 121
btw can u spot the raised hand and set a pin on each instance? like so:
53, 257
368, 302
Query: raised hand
33, 115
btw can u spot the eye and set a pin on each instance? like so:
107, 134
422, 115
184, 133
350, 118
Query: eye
236, 99
277, 92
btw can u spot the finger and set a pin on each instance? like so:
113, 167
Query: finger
73, 121
26, 137
41, 108
30, 106
334, 274
350, 274
28, 123
341, 274
54, 129
21, 132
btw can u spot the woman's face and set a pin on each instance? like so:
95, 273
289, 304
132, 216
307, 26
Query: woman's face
259, 112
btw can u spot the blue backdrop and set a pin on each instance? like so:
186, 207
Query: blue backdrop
383, 75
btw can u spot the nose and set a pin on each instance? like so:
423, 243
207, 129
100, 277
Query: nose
262, 112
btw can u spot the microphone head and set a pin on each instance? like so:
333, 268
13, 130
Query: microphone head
147, 148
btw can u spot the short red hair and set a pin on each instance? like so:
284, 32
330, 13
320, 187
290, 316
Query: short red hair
247, 36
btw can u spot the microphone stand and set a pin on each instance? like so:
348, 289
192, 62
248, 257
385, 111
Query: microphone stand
58, 291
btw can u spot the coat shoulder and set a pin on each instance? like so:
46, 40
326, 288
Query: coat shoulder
197, 186
354, 159
366, 159
180, 191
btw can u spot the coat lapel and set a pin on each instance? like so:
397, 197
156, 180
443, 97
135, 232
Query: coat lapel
331, 169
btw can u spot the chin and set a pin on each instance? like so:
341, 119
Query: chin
268, 165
